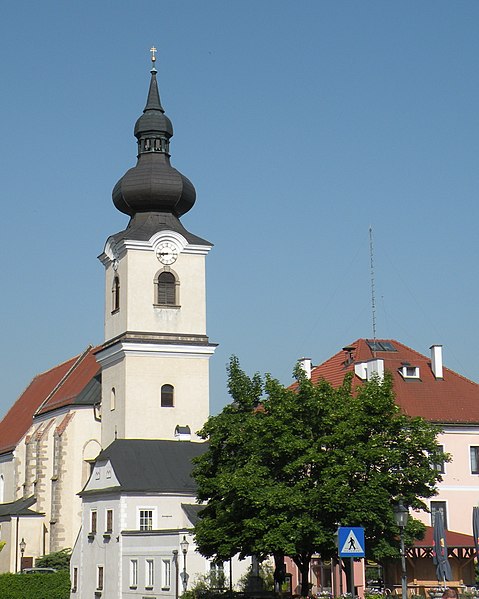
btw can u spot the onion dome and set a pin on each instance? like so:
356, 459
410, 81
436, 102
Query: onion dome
153, 185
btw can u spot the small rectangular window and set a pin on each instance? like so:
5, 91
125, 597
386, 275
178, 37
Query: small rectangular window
75, 580
439, 506
109, 520
115, 295
474, 453
133, 573
167, 396
439, 466
146, 519
150, 572
166, 574
99, 578
93, 522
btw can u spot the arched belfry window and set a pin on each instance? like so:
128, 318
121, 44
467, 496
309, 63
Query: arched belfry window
115, 294
167, 396
167, 289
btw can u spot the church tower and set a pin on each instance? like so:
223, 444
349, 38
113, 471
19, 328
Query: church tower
155, 358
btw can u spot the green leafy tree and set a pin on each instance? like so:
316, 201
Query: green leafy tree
285, 467
60, 560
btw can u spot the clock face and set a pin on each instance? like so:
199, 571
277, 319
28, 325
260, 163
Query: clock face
166, 252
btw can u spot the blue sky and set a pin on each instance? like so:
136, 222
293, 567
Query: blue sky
300, 124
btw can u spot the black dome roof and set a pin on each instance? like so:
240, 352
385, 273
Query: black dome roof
153, 185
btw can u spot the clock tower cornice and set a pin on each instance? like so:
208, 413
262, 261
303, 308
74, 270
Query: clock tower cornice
114, 250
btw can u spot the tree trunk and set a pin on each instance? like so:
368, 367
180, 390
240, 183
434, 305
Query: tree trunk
279, 571
303, 561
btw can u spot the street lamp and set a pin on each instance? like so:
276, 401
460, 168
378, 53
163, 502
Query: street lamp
22, 545
401, 514
184, 576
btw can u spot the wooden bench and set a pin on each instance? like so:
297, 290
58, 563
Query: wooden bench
426, 585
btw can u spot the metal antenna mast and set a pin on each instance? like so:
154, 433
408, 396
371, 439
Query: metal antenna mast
373, 298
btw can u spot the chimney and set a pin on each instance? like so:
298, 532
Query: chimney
436, 361
305, 364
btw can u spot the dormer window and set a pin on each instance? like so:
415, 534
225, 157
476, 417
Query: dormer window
409, 372
182, 433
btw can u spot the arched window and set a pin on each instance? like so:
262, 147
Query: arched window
167, 396
112, 399
2, 488
115, 294
167, 289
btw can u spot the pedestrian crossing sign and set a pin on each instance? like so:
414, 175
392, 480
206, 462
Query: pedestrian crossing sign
351, 541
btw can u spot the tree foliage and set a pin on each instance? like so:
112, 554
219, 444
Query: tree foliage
35, 586
285, 467
60, 560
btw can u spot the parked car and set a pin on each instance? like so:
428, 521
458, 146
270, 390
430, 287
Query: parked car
38, 570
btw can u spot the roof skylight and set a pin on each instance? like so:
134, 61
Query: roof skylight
381, 346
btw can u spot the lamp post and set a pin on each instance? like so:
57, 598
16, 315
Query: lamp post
22, 545
401, 514
184, 576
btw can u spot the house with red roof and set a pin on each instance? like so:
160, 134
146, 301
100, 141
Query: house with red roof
47, 440
425, 387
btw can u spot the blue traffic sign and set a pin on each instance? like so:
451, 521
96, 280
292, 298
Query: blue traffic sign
351, 541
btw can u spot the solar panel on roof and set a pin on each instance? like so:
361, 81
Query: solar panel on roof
381, 346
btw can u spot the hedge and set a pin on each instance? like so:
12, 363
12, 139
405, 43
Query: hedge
35, 586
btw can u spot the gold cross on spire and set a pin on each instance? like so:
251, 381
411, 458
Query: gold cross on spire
153, 51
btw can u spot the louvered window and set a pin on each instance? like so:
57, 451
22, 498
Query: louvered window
167, 289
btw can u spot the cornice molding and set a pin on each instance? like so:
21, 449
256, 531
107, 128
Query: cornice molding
113, 353
114, 250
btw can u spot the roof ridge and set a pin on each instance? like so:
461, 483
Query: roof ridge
78, 361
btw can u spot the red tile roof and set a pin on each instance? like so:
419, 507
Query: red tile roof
55, 388
65, 394
453, 539
453, 399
